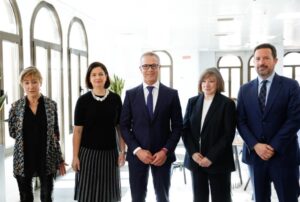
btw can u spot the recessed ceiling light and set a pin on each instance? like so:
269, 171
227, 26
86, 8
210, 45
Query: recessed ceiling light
225, 19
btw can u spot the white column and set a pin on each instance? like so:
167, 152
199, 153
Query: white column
2, 174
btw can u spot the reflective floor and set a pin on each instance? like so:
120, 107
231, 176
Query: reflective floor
179, 192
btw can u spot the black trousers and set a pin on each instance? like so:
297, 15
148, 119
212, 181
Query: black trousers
138, 178
219, 185
26, 190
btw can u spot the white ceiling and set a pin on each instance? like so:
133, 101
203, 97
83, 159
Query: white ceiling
198, 24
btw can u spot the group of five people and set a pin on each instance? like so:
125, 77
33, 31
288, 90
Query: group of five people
150, 123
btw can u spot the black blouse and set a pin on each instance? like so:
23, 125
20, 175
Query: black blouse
98, 119
35, 139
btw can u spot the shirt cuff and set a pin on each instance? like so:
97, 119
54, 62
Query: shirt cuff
164, 150
136, 150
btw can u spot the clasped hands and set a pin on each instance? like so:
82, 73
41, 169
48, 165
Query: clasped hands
157, 159
201, 160
264, 151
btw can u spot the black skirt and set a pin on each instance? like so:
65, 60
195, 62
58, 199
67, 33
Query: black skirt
99, 177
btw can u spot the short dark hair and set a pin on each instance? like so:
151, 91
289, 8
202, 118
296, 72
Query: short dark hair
269, 46
88, 74
212, 71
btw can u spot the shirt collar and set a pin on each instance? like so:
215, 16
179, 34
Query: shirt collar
155, 85
270, 78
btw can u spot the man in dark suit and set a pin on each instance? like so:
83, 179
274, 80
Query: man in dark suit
151, 124
268, 121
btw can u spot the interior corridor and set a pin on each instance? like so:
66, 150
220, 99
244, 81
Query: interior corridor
179, 192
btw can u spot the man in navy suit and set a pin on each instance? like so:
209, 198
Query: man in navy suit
268, 121
151, 125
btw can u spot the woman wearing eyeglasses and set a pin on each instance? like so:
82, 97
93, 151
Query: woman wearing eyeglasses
208, 131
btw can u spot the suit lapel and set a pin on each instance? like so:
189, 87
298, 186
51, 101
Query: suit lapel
253, 97
159, 102
274, 89
196, 115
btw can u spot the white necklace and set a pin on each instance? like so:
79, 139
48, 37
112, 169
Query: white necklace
101, 98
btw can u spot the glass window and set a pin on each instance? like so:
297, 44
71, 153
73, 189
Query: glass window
78, 62
11, 63
251, 69
75, 82
78, 37
7, 22
166, 69
235, 82
10, 82
288, 71
56, 81
297, 74
291, 65
292, 59
231, 68
230, 61
165, 75
46, 33
41, 64
47, 55
83, 69
225, 74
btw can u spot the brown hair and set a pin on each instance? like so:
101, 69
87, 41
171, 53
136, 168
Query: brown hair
212, 72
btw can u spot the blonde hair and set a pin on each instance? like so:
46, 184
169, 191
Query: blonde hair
30, 71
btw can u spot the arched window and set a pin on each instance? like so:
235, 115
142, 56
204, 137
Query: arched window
251, 69
291, 65
11, 63
46, 54
231, 70
77, 63
166, 69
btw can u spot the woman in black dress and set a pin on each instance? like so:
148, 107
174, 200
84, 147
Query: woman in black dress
96, 158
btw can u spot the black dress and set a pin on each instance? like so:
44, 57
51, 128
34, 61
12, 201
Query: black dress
99, 175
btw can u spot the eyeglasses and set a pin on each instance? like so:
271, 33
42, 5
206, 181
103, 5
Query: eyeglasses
148, 66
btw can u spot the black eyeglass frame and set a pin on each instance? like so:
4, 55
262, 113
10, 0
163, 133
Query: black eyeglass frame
148, 66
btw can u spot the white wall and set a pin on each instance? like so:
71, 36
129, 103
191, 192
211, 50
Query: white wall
121, 54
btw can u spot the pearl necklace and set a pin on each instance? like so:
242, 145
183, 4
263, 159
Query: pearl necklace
101, 98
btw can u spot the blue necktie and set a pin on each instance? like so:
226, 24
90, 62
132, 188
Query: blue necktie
150, 101
262, 95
